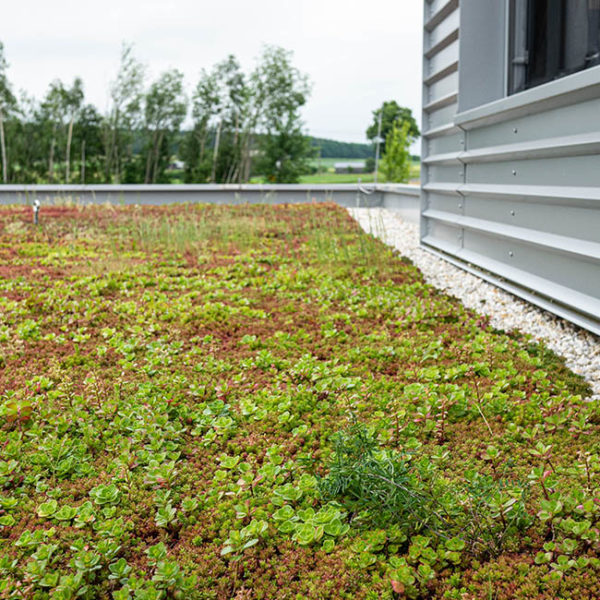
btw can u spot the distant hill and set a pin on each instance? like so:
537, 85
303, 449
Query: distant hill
335, 149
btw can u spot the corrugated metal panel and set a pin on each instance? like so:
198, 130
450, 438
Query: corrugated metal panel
442, 140
511, 189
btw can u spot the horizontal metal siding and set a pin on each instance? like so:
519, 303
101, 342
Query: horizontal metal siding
558, 122
516, 196
440, 101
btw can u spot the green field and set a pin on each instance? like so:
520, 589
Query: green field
329, 176
353, 177
338, 178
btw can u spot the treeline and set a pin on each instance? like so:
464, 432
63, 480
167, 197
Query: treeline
334, 149
237, 125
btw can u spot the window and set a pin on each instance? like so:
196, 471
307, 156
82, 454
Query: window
551, 39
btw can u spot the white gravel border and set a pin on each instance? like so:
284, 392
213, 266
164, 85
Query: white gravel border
580, 348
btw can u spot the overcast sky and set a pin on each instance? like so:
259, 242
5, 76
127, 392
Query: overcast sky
357, 53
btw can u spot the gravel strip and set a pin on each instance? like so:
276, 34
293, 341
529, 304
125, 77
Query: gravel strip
580, 348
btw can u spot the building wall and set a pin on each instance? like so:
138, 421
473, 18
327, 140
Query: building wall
511, 184
441, 136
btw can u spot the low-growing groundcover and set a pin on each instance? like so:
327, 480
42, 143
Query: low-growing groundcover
264, 402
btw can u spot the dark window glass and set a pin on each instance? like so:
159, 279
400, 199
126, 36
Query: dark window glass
552, 39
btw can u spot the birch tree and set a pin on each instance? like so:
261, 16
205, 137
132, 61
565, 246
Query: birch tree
125, 115
205, 107
72, 102
165, 110
52, 109
234, 101
280, 92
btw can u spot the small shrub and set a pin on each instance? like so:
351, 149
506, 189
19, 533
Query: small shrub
385, 487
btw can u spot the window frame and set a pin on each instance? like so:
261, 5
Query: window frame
552, 59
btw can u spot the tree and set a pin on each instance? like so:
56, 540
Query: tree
392, 113
88, 138
335, 149
125, 116
52, 115
284, 155
239, 119
205, 107
7, 103
395, 164
235, 122
165, 110
26, 132
280, 90
72, 99
226, 115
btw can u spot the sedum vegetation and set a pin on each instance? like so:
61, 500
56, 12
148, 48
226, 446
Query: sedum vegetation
264, 402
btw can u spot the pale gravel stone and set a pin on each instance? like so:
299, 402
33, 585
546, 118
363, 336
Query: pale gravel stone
580, 348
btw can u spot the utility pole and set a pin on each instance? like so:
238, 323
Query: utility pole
378, 142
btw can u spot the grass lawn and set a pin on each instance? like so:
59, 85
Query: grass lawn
259, 402
329, 176
338, 178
